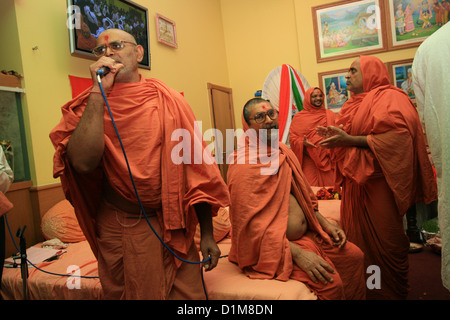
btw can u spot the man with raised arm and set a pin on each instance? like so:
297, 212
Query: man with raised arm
383, 168
132, 261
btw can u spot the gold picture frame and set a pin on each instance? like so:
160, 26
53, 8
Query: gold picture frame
349, 28
401, 76
410, 22
334, 87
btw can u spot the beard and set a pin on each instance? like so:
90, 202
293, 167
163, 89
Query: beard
269, 133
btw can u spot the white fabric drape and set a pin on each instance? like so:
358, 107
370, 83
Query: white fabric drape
431, 73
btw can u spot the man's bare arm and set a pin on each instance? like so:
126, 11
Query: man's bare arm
208, 245
86, 145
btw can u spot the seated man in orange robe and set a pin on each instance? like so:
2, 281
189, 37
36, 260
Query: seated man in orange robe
384, 169
316, 162
115, 211
277, 230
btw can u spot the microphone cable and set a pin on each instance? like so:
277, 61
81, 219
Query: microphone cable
45, 271
102, 72
99, 74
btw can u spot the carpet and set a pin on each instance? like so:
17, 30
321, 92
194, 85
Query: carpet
425, 276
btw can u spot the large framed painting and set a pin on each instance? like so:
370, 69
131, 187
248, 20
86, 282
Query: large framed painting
410, 22
87, 19
349, 28
334, 86
401, 76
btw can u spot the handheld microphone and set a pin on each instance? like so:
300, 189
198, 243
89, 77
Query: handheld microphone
103, 71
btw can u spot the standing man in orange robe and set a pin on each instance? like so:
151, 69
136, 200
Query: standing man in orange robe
114, 212
316, 162
277, 229
384, 169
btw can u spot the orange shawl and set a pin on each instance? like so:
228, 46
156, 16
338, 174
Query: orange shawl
386, 115
305, 123
146, 114
5, 204
259, 211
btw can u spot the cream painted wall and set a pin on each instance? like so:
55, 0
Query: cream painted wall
232, 43
9, 53
260, 35
200, 58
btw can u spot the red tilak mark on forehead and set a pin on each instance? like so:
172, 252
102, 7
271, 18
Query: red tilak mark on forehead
264, 107
106, 40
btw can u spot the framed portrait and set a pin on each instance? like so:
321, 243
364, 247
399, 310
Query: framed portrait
410, 22
349, 28
165, 31
401, 76
334, 86
87, 19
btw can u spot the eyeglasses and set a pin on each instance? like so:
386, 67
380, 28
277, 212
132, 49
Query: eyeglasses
261, 116
114, 46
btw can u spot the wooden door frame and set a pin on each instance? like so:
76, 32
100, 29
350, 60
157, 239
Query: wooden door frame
211, 109
210, 87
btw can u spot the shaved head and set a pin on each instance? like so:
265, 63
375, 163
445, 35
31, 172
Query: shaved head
111, 34
130, 55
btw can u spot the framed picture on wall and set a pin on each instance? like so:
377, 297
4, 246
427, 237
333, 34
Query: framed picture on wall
401, 76
334, 86
410, 22
165, 31
87, 19
349, 28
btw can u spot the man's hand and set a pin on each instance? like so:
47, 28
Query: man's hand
307, 143
209, 248
336, 137
108, 80
315, 266
335, 232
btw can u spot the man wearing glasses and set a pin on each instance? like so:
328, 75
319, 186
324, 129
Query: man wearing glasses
278, 232
132, 262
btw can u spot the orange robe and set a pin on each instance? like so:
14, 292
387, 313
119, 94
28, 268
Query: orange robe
5, 204
146, 114
259, 213
317, 164
381, 182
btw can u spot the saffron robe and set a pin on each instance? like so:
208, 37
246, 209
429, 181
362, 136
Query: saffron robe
146, 114
381, 182
259, 214
317, 163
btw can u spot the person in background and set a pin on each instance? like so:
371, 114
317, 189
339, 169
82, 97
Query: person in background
175, 196
316, 162
6, 179
277, 229
431, 74
384, 169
